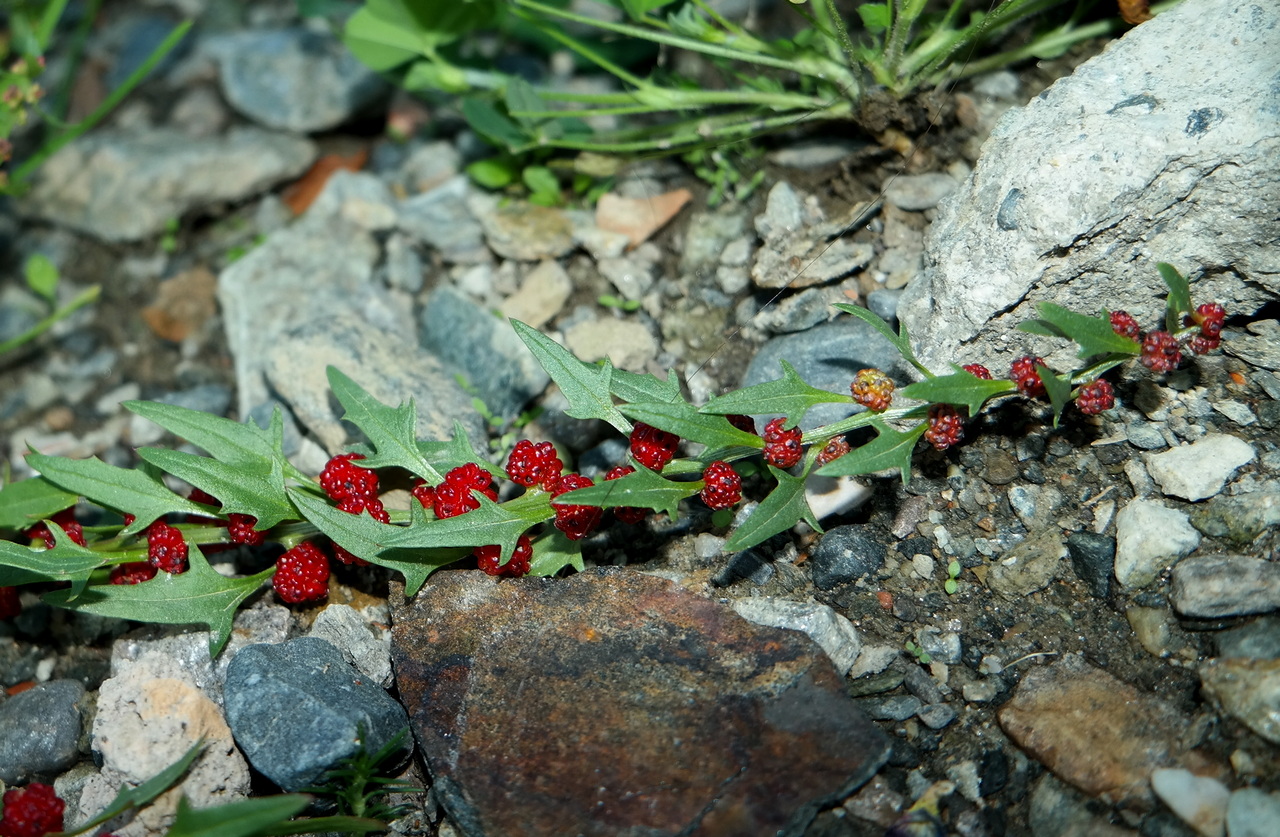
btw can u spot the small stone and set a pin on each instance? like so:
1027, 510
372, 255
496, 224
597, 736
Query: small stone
638, 219
1253, 813
832, 632
1029, 566
883, 302
1151, 628
40, 730
999, 468
980, 691
845, 554
523, 231
1214, 586
1200, 470
1199, 801
1237, 412
632, 278
363, 646
936, 715
183, 305
1093, 556
625, 342
895, 708
1149, 535
943, 646
1241, 517
1249, 690
440, 218
1145, 435
918, 192
1258, 639
922, 565
542, 295
783, 213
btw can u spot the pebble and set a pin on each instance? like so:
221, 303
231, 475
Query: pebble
523, 231
999, 468
799, 311
298, 708
832, 632
936, 715
815, 153
628, 343
707, 236
402, 265
845, 554
631, 277
1253, 813
1034, 505
1236, 411
783, 213
1257, 639
1149, 535
441, 219
1093, 556
541, 296
892, 708
1144, 435
1240, 518
40, 730
943, 646
883, 302
918, 192
364, 646
668, 691
1151, 628
1029, 566
1214, 586
1199, 801
1199, 470
428, 166
639, 218
1248, 690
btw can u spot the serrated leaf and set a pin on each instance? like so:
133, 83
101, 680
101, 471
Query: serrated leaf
244, 818
789, 395
901, 341
198, 596
783, 508
642, 489
890, 449
372, 540
635, 388
458, 450
222, 438
24, 503
67, 561
256, 489
552, 552
391, 430
129, 797
1044, 329
585, 385
961, 388
684, 420
1179, 301
490, 524
115, 488
1058, 389
1094, 335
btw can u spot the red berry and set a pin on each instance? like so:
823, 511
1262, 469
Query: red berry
32, 811
744, 423
199, 495
240, 530
134, 572
166, 550
627, 514
834, 449
1160, 352
1123, 324
1202, 345
946, 428
872, 389
302, 574
722, 487
978, 371
575, 521
781, 447
1095, 397
1024, 375
533, 465
426, 494
10, 606
342, 480
653, 448
487, 557
373, 506
1210, 317
129, 518
453, 496
67, 520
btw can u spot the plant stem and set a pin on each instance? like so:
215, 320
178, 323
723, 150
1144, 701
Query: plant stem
82, 299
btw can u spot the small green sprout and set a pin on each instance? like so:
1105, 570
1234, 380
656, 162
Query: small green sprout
953, 572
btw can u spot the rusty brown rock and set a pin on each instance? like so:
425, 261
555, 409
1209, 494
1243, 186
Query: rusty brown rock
616, 703
1098, 733
183, 305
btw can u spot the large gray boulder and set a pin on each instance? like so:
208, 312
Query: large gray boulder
1162, 148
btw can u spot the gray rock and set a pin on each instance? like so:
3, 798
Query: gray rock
832, 632
1144, 435
1199, 470
936, 715
943, 646
1029, 566
1258, 639
125, 186
363, 645
1042, 219
404, 270
39, 731
893, 708
918, 192
1248, 690
1199, 801
523, 231
845, 554
298, 708
1252, 813
708, 235
1260, 347
1213, 586
800, 311
801, 248
783, 213
1149, 534
627, 343
428, 166
1093, 556
883, 302
440, 218
543, 293
485, 349
293, 79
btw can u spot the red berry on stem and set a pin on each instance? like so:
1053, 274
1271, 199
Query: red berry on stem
302, 574
487, 558
32, 811
1095, 397
1026, 378
67, 520
10, 606
653, 448
425, 494
134, 572
627, 514
534, 466
342, 480
834, 449
722, 487
781, 447
166, 550
1123, 323
240, 530
575, 521
872, 389
1160, 352
978, 371
1201, 345
946, 428
453, 496
199, 495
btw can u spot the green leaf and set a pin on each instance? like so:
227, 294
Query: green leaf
67, 561
635, 388
494, 126
391, 430
42, 276
687, 422
642, 489
380, 44
137, 797
890, 449
901, 341
521, 97
637, 9
493, 172
875, 16
1058, 389
487, 525
242, 489
789, 395
540, 180
198, 596
446, 455
585, 385
552, 552
24, 503
1093, 334
121, 489
783, 508
961, 387
1044, 329
1179, 301
224, 439
245, 818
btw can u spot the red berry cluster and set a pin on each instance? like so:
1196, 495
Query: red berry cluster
1025, 377
946, 427
781, 447
872, 389
834, 449
487, 558
722, 487
575, 521
653, 448
32, 811
534, 466
132, 572
302, 574
1210, 316
1160, 351
1093, 398
978, 371
166, 550
453, 496
627, 514
67, 520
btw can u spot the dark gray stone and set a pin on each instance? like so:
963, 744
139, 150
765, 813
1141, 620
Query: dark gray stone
1258, 640
1093, 557
845, 554
894, 708
936, 715
39, 731
296, 709
1213, 586
441, 219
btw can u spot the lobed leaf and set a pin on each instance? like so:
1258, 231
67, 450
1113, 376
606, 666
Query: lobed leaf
642, 489
586, 386
121, 489
490, 524
1094, 335
552, 552
783, 508
67, 561
634, 388
901, 341
447, 455
224, 439
890, 449
961, 388
684, 420
256, 490
198, 596
1043, 328
1058, 389
391, 430
24, 503
1179, 301
789, 395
